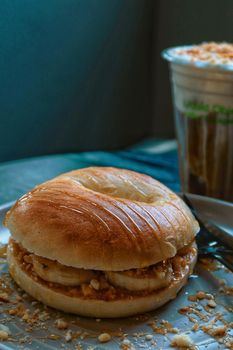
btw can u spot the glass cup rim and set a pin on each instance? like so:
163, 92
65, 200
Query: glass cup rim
169, 55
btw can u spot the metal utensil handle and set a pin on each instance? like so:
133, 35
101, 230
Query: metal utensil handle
222, 236
223, 261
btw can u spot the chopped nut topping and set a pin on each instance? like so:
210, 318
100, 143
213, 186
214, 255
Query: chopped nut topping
212, 52
229, 344
61, 324
149, 337
192, 298
26, 316
54, 337
4, 335
217, 331
212, 304
4, 297
127, 345
209, 296
228, 290
201, 295
182, 341
184, 310
95, 284
68, 336
87, 290
44, 316
104, 337
195, 327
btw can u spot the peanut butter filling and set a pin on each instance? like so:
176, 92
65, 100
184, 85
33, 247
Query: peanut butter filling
90, 284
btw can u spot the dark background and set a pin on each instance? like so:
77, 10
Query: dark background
87, 74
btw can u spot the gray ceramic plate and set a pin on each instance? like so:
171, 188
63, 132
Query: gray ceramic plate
134, 328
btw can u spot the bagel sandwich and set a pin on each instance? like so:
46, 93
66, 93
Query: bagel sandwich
101, 242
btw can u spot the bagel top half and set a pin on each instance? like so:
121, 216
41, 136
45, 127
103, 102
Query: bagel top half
102, 218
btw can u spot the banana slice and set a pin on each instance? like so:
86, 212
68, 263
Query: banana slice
52, 271
151, 278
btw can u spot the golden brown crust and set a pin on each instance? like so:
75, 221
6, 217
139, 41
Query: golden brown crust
102, 218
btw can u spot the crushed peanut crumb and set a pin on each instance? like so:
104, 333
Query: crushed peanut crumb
104, 337
215, 331
149, 337
95, 284
4, 297
68, 336
54, 336
211, 52
212, 304
61, 324
4, 335
195, 327
182, 341
201, 295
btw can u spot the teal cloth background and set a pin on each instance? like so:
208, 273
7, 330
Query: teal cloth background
156, 158
74, 75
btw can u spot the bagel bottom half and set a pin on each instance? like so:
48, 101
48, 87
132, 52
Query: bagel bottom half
93, 307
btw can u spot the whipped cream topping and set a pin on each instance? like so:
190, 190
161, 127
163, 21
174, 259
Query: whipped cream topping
205, 54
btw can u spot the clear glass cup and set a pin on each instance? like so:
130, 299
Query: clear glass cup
203, 108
